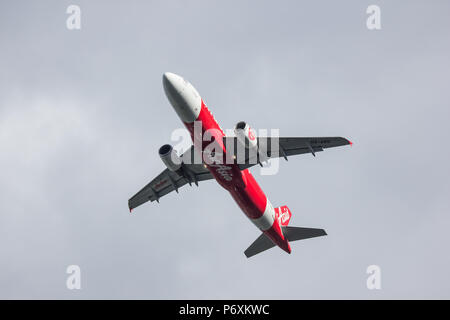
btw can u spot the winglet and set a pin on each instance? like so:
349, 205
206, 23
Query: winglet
350, 143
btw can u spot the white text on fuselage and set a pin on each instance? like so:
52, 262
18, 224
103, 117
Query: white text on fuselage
223, 170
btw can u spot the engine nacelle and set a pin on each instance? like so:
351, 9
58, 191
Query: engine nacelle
170, 157
245, 135
246, 138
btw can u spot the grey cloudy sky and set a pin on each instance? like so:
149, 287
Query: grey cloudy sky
82, 114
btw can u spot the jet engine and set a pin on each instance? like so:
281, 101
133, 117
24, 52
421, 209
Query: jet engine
246, 136
246, 139
170, 157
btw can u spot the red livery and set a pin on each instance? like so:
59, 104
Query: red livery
216, 156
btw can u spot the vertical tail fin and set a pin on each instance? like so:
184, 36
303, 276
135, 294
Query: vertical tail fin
283, 215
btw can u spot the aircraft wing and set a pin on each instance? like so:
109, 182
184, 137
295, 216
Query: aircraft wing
287, 146
168, 181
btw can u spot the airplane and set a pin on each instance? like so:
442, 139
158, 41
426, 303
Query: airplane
233, 175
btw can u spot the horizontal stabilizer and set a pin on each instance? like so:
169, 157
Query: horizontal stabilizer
299, 233
263, 243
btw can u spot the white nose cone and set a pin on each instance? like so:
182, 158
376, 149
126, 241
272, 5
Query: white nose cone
182, 96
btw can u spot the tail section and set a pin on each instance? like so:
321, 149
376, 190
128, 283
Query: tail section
282, 216
263, 242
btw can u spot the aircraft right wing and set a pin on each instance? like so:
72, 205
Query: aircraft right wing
275, 147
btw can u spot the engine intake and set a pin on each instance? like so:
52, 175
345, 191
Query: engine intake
169, 157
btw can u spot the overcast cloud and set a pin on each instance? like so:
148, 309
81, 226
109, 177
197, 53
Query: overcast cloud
83, 113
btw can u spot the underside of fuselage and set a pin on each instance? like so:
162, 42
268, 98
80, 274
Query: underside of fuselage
241, 184
209, 159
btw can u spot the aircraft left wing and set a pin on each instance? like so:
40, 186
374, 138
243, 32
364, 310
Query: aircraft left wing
168, 181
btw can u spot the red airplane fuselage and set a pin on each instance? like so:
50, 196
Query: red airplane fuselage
240, 184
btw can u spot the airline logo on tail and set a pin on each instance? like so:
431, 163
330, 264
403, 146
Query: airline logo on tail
283, 215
